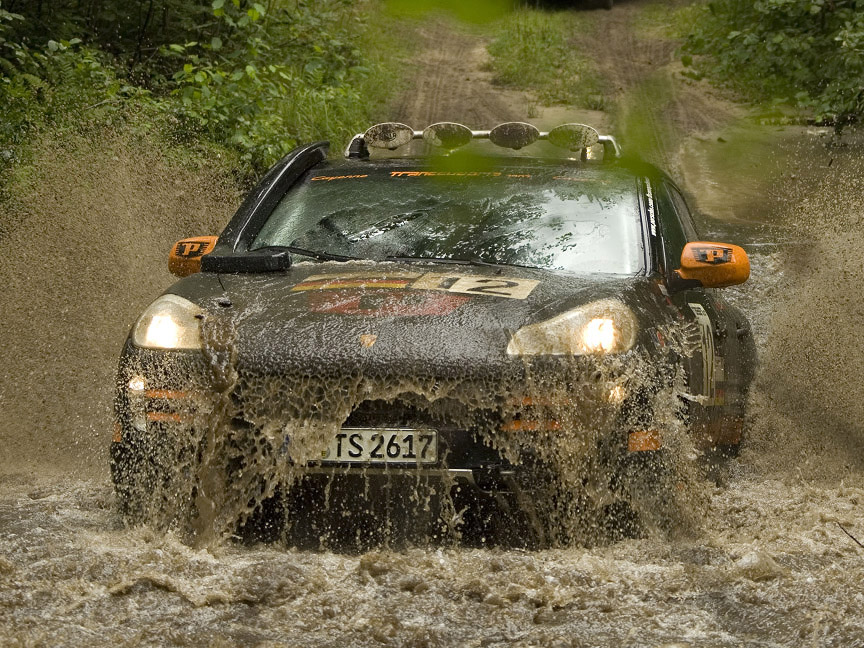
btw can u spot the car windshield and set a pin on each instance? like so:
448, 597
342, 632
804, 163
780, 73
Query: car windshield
570, 218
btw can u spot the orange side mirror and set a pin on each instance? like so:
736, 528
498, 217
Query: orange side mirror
185, 256
715, 265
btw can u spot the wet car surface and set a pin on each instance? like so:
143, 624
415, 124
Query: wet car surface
494, 344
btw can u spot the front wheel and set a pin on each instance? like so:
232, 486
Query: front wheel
153, 483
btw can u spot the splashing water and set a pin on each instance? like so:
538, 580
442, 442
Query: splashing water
766, 564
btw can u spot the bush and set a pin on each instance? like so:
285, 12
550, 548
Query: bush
235, 73
57, 86
268, 82
806, 52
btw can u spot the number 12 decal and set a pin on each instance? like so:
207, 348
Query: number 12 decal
510, 287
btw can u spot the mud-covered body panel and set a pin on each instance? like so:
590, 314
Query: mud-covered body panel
281, 323
289, 348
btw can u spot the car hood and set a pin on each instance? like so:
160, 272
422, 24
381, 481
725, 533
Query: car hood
424, 317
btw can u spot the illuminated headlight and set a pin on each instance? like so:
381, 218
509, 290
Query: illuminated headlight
601, 327
170, 322
137, 384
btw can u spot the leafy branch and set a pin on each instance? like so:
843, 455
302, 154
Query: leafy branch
808, 53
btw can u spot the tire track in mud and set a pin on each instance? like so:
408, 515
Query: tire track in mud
450, 83
652, 106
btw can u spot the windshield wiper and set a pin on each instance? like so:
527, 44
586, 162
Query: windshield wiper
312, 254
270, 258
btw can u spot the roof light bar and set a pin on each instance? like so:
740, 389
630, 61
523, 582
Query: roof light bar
573, 137
450, 135
389, 135
514, 135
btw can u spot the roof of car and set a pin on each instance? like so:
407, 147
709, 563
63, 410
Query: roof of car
544, 149
473, 165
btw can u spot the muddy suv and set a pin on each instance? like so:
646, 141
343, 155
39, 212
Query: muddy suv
488, 333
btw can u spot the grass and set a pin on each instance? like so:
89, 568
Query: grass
534, 51
661, 21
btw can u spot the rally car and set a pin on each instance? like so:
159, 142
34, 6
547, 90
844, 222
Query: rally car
447, 332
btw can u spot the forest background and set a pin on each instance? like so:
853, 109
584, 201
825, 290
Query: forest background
253, 79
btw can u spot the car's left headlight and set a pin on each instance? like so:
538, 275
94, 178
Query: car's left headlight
602, 327
170, 322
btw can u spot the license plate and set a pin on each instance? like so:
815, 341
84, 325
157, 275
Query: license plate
383, 446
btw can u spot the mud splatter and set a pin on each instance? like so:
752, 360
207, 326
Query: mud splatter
85, 246
772, 569
242, 448
809, 404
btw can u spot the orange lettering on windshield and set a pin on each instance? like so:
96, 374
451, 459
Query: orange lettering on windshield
442, 174
331, 178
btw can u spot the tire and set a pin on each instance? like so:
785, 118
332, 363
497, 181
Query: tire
647, 487
152, 483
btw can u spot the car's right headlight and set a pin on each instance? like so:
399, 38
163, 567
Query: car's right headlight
170, 322
602, 327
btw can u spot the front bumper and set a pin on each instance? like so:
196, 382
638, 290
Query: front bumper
492, 421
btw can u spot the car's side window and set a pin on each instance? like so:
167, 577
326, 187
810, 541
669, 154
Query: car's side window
672, 230
683, 213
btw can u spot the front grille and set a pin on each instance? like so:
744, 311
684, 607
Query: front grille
413, 410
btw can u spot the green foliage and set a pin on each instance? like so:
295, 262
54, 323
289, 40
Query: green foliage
805, 52
130, 30
265, 82
533, 50
8, 49
257, 77
54, 86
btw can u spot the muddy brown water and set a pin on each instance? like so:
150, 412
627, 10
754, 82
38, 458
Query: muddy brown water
768, 562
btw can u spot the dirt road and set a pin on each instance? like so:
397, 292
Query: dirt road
451, 85
769, 565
